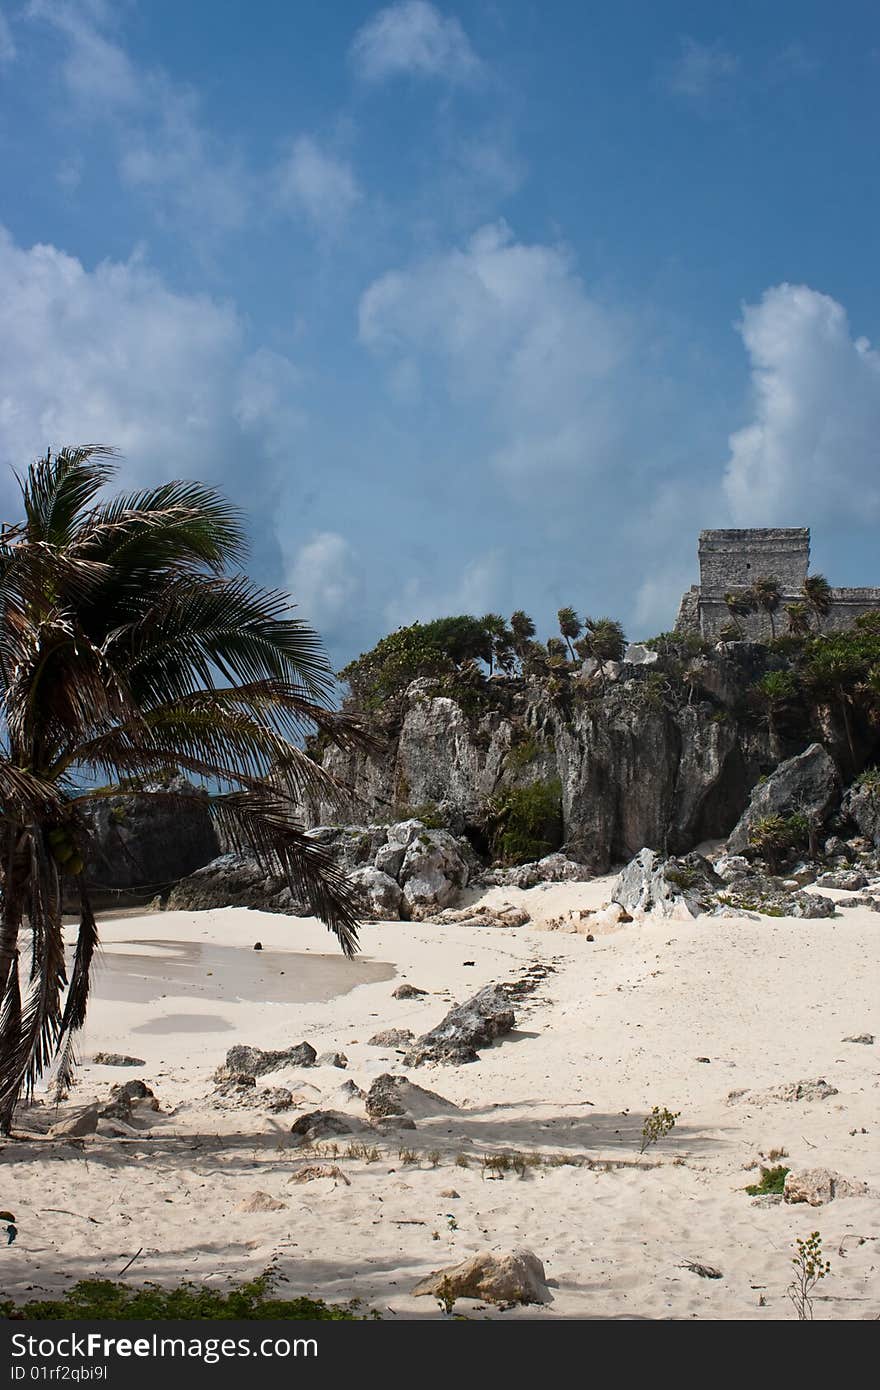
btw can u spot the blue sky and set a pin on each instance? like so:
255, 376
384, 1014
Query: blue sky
473, 306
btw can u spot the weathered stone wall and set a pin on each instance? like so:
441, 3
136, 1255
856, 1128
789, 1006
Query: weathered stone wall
735, 559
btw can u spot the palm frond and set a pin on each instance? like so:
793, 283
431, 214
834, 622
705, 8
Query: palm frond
174, 526
258, 822
57, 489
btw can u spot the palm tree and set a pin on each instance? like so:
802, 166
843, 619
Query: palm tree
739, 605
570, 626
798, 619
523, 630
130, 647
767, 596
604, 640
501, 640
818, 597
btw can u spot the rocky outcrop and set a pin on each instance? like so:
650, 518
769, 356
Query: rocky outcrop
667, 887
148, 839
233, 880
861, 804
807, 785
476, 1023
398, 871
639, 763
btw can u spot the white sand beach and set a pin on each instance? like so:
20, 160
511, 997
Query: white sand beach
655, 1012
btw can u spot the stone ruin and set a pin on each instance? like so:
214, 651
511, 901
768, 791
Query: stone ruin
732, 560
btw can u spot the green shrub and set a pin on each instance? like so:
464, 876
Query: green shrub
772, 1182
104, 1299
774, 836
525, 823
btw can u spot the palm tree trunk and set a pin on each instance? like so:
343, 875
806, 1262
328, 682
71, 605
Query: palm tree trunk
11, 916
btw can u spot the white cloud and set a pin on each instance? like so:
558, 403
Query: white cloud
113, 356
516, 334
812, 449
7, 42
318, 184
324, 581
414, 37
163, 148
700, 68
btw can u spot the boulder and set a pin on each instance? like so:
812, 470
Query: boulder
850, 880
433, 871
861, 803
234, 880
255, 1062
323, 1124
807, 784
475, 1023
553, 868
396, 1095
379, 894
816, 1186
332, 1059
513, 1276
667, 887
637, 654
76, 1126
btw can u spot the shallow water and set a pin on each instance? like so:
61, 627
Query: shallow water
141, 972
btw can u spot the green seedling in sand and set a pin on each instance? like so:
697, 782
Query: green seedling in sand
809, 1268
659, 1123
772, 1182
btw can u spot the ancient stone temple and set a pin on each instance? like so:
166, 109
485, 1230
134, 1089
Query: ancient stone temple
731, 561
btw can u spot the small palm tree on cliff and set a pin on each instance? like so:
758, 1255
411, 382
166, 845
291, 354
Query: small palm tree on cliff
739, 606
523, 630
766, 596
817, 596
798, 619
130, 647
501, 642
570, 626
604, 640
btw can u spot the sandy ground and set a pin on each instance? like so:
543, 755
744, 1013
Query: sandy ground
623, 1023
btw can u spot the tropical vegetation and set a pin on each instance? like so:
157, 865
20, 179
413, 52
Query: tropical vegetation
133, 648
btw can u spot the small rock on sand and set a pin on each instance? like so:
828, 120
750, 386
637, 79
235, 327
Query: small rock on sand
408, 992
260, 1201
866, 1038
313, 1171
322, 1124
117, 1059
391, 1037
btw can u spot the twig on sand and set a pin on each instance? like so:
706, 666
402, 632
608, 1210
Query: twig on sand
130, 1263
704, 1271
62, 1211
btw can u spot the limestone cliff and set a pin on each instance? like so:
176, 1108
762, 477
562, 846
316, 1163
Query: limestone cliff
641, 759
